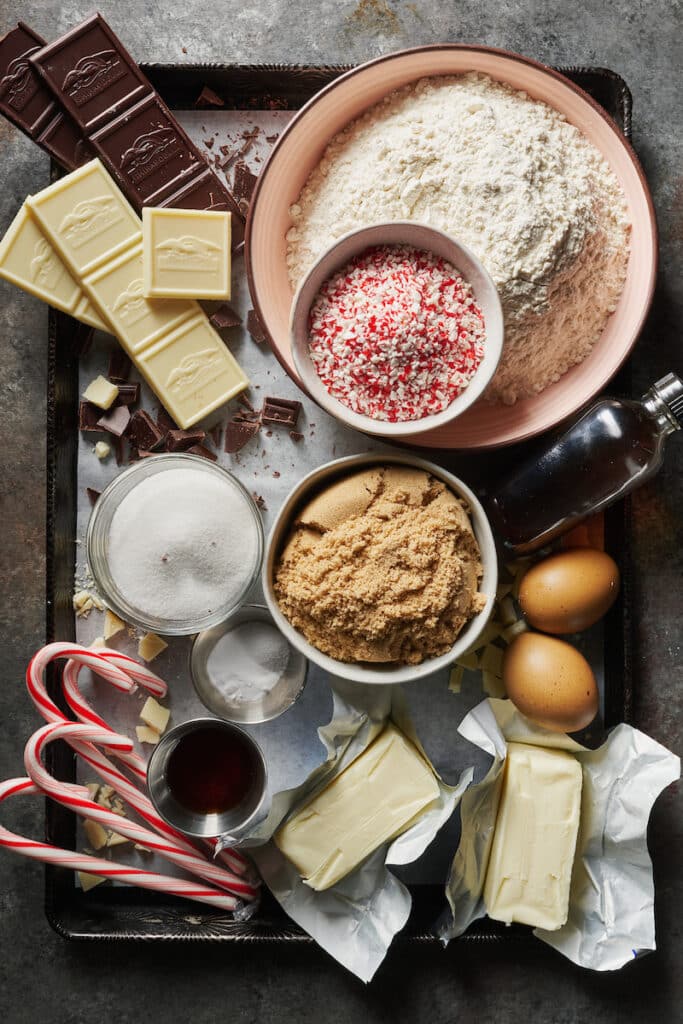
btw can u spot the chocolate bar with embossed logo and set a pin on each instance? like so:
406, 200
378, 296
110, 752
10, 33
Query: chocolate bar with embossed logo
136, 136
28, 103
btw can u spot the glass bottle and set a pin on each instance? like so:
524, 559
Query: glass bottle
617, 445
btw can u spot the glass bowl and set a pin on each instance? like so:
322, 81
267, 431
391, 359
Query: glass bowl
97, 545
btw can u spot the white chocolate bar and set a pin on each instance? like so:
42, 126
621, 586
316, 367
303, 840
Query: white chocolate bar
186, 253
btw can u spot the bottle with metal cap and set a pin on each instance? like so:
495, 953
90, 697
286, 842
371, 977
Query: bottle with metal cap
615, 446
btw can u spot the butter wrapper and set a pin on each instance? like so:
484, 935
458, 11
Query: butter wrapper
611, 902
355, 920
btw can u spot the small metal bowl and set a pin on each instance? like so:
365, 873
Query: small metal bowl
273, 703
231, 825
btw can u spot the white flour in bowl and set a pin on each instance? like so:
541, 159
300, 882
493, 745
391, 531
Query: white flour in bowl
508, 177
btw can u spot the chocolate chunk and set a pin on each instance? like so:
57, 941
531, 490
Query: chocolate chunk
143, 431
129, 394
143, 454
203, 452
243, 400
238, 433
93, 495
116, 420
216, 434
282, 411
225, 316
88, 417
247, 416
81, 339
164, 421
296, 436
181, 440
117, 444
258, 500
244, 182
208, 98
119, 366
276, 474
255, 327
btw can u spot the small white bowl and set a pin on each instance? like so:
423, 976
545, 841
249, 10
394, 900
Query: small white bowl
420, 236
366, 672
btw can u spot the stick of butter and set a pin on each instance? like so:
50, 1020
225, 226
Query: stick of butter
372, 801
534, 842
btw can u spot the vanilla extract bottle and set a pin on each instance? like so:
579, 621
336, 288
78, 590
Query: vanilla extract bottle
615, 446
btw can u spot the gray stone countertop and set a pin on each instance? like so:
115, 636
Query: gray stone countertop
43, 978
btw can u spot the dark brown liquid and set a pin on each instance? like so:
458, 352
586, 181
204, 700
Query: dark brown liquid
210, 772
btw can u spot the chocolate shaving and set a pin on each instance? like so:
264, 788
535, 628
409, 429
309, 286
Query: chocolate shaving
237, 433
296, 436
88, 417
93, 495
209, 143
82, 338
243, 400
255, 327
116, 420
182, 440
143, 432
276, 474
129, 394
247, 416
258, 501
203, 451
208, 98
244, 182
216, 433
119, 366
225, 316
281, 411
272, 138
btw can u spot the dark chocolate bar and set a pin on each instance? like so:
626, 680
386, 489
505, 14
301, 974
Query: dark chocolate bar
282, 411
131, 129
28, 103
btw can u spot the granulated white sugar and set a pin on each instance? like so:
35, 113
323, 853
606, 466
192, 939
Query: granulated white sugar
248, 661
182, 544
507, 176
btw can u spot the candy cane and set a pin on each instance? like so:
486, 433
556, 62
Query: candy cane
97, 866
103, 663
78, 799
139, 801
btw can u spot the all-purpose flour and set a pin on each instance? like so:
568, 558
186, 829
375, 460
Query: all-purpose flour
507, 176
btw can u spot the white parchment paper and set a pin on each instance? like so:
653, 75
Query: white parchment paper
611, 904
356, 920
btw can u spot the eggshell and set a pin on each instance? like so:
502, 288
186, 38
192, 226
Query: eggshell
569, 591
550, 682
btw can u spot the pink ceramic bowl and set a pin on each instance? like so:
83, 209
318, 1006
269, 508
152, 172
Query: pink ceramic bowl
301, 146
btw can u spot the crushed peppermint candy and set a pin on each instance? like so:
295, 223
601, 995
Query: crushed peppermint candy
396, 334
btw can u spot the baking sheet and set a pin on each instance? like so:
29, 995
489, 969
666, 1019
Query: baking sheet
270, 466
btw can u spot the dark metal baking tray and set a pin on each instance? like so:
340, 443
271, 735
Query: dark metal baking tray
127, 913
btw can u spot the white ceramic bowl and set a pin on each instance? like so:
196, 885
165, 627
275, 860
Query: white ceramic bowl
300, 147
364, 672
420, 236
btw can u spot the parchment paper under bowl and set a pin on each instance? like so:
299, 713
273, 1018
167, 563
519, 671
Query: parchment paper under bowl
366, 672
275, 702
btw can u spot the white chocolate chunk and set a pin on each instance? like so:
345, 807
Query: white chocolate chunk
147, 735
534, 842
112, 624
89, 881
372, 801
154, 715
102, 450
114, 839
101, 392
96, 835
150, 646
98, 642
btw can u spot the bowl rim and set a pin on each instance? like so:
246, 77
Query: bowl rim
357, 672
523, 432
493, 320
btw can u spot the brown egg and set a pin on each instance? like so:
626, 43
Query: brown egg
569, 591
550, 682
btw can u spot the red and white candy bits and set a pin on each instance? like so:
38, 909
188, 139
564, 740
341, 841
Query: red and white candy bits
396, 335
